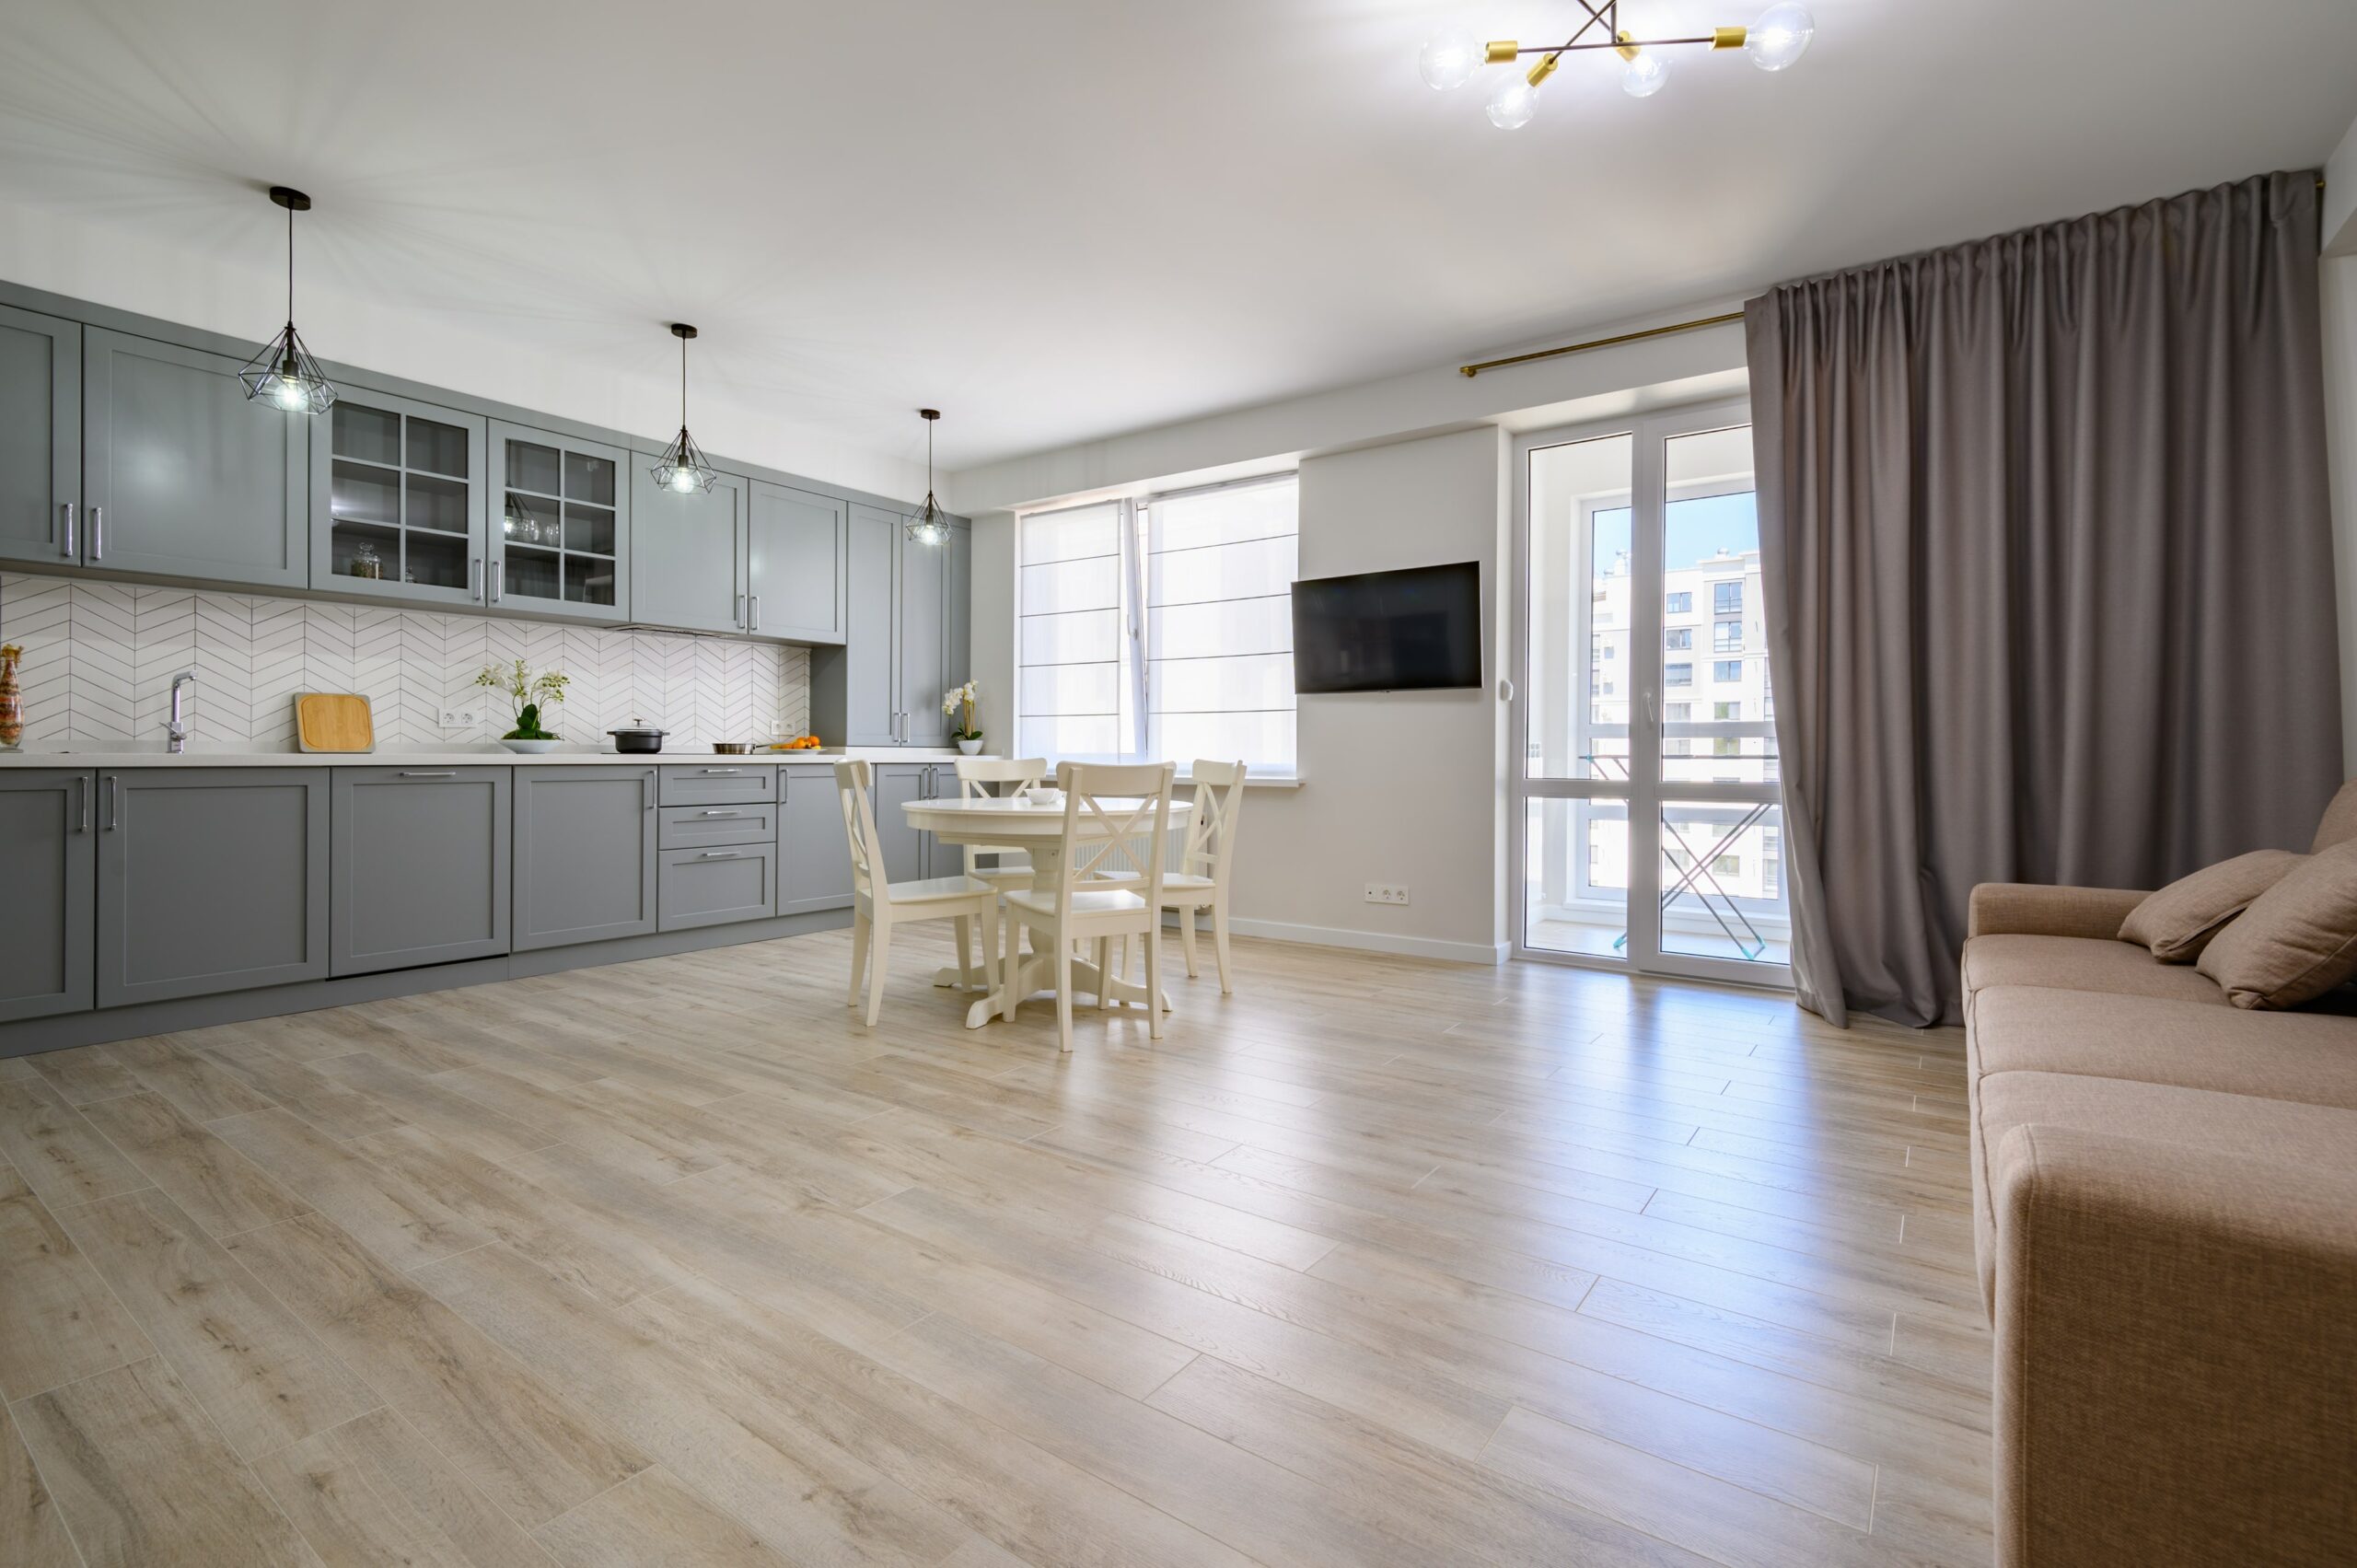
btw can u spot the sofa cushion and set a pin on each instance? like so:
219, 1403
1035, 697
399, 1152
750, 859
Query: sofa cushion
2178, 922
2339, 824
2079, 963
2296, 941
2290, 1134
2307, 1057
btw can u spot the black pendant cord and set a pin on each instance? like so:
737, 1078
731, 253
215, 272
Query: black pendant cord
684, 386
290, 267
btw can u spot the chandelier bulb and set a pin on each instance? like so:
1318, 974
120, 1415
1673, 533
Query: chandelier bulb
1513, 102
1449, 59
1780, 37
1644, 76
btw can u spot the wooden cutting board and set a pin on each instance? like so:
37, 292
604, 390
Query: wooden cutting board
333, 721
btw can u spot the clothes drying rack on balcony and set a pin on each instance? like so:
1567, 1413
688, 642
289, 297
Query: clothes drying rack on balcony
1697, 878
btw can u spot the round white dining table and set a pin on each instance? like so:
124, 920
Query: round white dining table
1039, 831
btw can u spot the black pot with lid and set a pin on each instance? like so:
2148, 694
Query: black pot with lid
638, 735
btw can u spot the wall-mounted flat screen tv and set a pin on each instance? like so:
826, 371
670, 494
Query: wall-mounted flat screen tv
1416, 630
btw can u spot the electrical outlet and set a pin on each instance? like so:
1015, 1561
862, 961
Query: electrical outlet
1385, 893
457, 718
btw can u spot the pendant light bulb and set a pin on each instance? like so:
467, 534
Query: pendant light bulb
1780, 37
930, 526
1645, 75
284, 373
1449, 59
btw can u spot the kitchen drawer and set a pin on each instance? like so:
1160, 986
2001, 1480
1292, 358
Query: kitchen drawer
710, 827
712, 887
720, 784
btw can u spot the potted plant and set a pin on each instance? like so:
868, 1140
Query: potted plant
969, 739
529, 694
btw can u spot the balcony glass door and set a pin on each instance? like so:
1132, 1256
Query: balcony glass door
1649, 832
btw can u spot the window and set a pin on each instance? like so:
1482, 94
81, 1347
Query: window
1727, 669
1726, 636
1726, 598
1161, 629
1727, 866
1722, 711
1682, 713
1677, 638
1677, 674
1680, 604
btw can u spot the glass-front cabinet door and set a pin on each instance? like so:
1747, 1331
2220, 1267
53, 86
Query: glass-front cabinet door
396, 500
561, 542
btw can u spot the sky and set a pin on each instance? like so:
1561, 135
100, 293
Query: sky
1697, 530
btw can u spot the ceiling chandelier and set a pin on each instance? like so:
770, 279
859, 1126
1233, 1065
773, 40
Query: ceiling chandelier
284, 373
932, 525
682, 466
1449, 59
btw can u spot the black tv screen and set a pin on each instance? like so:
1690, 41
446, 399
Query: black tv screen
1405, 631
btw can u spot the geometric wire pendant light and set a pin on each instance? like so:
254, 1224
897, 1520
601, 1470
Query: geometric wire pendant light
682, 466
932, 525
284, 373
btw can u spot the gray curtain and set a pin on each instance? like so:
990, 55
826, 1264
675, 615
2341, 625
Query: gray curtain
2047, 555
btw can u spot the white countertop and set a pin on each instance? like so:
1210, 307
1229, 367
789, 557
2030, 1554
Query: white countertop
458, 757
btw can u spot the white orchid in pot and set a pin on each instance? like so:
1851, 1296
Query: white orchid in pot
958, 704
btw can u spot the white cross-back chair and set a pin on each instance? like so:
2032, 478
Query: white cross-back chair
879, 905
1206, 868
1129, 806
981, 778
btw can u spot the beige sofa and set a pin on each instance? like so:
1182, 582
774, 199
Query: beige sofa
2164, 1194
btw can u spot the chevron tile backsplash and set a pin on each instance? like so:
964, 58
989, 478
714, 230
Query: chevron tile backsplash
99, 658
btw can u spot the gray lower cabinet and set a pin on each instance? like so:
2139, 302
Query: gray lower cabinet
212, 879
799, 564
702, 826
813, 853
687, 553
48, 853
583, 854
903, 847
41, 436
182, 475
714, 886
719, 783
418, 866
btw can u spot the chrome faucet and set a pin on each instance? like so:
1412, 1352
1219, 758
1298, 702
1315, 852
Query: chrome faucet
176, 728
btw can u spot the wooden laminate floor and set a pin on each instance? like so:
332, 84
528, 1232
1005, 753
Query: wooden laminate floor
1377, 1261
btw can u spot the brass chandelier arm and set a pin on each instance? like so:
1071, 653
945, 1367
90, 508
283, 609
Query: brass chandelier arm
1607, 17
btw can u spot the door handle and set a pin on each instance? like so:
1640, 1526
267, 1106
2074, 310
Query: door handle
648, 793
741, 609
474, 573
114, 801
447, 774
68, 551
97, 533
757, 612
82, 804
498, 580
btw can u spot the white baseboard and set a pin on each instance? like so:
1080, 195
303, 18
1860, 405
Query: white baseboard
1374, 941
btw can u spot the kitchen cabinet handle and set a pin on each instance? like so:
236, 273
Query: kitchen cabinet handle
97, 533
649, 792
82, 805
498, 580
757, 612
68, 551
720, 813
114, 801
718, 854
717, 771
741, 609
474, 572
446, 773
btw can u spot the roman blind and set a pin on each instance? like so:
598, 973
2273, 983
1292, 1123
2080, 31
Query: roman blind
1074, 642
1219, 580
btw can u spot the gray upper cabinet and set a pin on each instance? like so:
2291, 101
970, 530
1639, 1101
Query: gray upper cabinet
905, 637
799, 566
560, 541
813, 852
687, 553
47, 855
583, 854
212, 879
182, 475
397, 500
420, 866
41, 437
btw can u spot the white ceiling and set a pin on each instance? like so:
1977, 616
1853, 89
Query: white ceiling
1062, 219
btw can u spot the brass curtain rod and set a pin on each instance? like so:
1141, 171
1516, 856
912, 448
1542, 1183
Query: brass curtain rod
1481, 365
1476, 368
